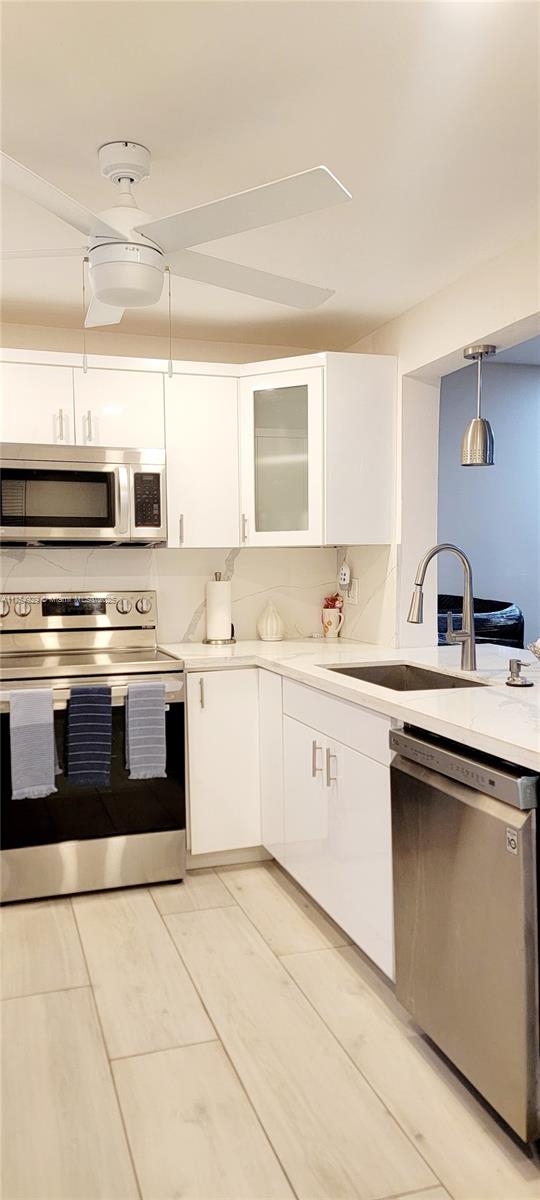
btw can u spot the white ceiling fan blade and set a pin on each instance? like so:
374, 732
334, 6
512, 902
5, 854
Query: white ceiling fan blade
98, 313
72, 252
291, 197
190, 264
21, 179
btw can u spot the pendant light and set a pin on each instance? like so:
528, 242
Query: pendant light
477, 443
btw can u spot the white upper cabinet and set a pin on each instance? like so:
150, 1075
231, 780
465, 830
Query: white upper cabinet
36, 404
119, 408
317, 451
281, 454
201, 415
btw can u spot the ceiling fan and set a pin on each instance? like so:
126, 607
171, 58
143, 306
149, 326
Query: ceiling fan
128, 250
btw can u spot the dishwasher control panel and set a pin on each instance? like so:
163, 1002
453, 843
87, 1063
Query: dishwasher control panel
504, 781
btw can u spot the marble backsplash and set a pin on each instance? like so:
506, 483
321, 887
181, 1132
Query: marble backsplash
296, 579
374, 617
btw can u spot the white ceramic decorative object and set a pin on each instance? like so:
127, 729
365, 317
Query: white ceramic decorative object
270, 627
535, 647
332, 620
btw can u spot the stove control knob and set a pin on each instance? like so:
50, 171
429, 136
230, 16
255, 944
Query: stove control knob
22, 608
4, 606
124, 605
143, 604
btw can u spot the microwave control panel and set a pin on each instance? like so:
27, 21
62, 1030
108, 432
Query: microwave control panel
147, 498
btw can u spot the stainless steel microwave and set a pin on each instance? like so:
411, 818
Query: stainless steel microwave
77, 494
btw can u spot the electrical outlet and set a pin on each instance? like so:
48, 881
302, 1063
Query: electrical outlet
344, 576
352, 594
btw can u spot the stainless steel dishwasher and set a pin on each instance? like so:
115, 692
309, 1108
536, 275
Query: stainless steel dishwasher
464, 831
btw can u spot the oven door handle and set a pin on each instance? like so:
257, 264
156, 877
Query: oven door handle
61, 696
122, 499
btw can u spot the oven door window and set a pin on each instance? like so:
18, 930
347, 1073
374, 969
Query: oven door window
77, 813
37, 499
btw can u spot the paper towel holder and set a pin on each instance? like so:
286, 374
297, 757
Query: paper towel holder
220, 641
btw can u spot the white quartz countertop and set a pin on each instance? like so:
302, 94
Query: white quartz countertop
496, 719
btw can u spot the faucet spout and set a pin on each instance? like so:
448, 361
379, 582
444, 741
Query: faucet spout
416, 613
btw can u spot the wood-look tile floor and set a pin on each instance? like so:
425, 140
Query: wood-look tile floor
222, 1040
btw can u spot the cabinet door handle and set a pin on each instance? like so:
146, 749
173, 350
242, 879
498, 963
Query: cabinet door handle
60, 425
89, 431
330, 779
201, 691
314, 752
244, 527
181, 529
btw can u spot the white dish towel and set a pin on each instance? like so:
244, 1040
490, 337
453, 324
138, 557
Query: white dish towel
31, 730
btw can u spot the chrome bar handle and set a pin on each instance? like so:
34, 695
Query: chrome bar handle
122, 494
330, 779
244, 528
201, 691
314, 752
89, 430
60, 425
181, 529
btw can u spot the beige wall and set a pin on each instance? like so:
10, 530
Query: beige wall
500, 295
49, 337
497, 301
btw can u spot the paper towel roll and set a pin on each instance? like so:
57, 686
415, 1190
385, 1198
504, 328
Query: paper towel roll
218, 610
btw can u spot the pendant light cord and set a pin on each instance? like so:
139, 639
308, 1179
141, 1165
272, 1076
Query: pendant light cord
479, 386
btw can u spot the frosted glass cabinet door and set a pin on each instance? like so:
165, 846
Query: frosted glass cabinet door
281, 441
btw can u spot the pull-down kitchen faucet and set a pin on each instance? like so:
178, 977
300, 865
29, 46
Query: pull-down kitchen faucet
416, 610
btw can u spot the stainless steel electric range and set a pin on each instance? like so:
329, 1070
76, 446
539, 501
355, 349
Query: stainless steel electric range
86, 838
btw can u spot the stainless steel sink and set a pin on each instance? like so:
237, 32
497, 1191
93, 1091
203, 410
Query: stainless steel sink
405, 677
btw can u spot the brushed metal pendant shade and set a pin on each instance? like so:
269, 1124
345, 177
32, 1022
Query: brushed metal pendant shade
477, 446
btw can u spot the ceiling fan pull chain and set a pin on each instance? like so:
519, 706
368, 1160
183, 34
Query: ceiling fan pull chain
169, 368
84, 358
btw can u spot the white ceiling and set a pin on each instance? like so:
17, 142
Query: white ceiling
426, 111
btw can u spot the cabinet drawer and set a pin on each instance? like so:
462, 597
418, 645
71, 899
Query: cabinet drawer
349, 723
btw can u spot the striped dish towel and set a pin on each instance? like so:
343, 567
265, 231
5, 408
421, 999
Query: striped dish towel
145, 731
31, 732
89, 736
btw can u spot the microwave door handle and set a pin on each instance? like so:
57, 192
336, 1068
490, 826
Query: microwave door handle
122, 498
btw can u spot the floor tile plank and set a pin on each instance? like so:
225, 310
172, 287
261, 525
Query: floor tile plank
281, 911
41, 951
333, 1137
192, 1129
469, 1151
63, 1137
200, 889
145, 998
438, 1193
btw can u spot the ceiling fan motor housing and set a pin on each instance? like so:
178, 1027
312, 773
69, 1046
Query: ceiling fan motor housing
126, 274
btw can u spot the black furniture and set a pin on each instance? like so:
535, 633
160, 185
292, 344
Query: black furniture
496, 621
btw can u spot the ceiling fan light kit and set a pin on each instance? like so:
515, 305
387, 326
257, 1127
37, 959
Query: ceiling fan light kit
126, 274
129, 250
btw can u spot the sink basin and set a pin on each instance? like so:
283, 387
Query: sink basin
405, 677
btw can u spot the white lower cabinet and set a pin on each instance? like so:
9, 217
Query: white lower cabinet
338, 842
223, 749
271, 748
